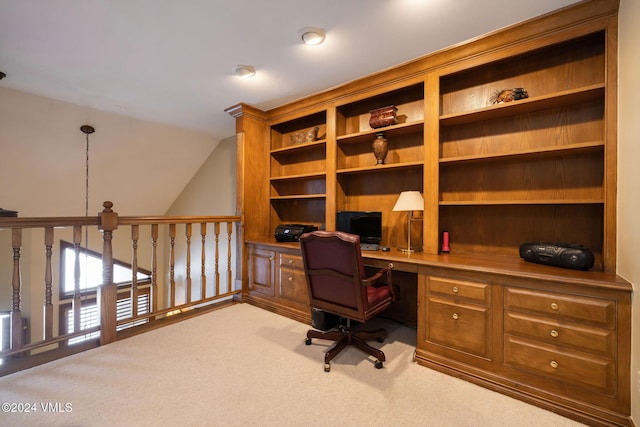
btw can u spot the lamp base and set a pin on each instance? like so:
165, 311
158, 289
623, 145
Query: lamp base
409, 250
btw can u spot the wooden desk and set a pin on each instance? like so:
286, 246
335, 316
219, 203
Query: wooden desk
556, 338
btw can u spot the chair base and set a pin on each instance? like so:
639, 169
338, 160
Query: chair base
345, 337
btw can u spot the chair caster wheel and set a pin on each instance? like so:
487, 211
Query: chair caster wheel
327, 367
378, 364
307, 341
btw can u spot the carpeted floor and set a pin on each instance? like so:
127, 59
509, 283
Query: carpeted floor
243, 366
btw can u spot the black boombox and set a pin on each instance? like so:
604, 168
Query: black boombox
563, 255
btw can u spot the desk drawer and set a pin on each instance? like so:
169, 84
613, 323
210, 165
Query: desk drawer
464, 327
291, 261
293, 286
596, 311
477, 292
594, 340
566, 366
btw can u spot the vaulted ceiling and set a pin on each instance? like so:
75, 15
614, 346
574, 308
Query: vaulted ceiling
172, 61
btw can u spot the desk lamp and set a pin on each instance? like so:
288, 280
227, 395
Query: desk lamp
409, 201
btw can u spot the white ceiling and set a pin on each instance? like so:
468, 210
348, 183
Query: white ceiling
172, 61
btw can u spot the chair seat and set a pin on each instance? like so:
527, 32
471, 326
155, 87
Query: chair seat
376, 295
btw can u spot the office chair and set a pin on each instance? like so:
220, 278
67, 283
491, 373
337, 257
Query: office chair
337, 284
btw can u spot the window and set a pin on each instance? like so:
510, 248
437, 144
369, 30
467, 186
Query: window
89, 316
91, 271
90, 268
4, 332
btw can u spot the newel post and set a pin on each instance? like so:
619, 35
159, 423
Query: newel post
107, 292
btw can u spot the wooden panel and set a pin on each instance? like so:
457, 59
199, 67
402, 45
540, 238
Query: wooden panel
562, 178
479, 292
293, 286
262, 271
465, 327
575, 123
501, 229
594, 340
560, 365
562, 306
568, 65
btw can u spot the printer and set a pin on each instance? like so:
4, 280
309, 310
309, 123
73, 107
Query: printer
292, 232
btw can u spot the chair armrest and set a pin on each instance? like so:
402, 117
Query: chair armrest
373, 279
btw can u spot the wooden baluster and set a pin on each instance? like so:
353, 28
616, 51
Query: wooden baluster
203, 275
134, 268
108, 291
154, 267
172, 262
229, 272
217, 270
16, 315
47, 322
77, 301
187, 232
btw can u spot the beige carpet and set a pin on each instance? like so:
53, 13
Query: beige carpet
244, 366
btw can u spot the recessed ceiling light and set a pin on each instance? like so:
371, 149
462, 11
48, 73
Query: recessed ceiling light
311, 36
244, 71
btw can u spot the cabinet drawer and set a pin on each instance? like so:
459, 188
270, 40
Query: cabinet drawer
291, 261
478, 292
560, 365
597, 311
595, 340
465, 327
293, 286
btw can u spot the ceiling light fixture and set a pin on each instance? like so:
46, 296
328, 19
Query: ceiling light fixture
311, 36
244, 71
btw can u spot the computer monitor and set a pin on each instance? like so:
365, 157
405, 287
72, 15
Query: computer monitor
366, 224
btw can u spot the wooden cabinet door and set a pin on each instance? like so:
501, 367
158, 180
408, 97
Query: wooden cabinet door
261, 271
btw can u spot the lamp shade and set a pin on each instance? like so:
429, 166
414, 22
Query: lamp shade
409, 201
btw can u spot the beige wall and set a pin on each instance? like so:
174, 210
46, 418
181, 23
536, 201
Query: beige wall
629, 176
43, 154
212, 191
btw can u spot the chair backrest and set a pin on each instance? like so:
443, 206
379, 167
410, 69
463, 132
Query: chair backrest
334, 273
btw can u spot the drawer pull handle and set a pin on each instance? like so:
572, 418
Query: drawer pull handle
290, 261
554, 333
455, 316
270, 258
554, 306
291, 278
455, 289
554, 364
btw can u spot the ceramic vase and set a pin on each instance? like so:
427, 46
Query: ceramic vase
380, 148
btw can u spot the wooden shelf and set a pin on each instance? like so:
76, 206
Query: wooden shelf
298, 176
380, 168
299, 197
532, 153
528, 105
519, 202
298, 148
390, 131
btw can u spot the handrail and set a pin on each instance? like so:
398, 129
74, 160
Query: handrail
171, 289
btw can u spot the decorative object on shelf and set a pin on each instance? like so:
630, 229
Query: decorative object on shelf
445, 242
508, 95
409, 201
308, 135
384, 116
380, 148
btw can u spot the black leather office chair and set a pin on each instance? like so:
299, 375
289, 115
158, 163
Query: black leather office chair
337, 284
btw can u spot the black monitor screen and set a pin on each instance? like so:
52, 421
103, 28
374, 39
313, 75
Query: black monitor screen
366, 224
